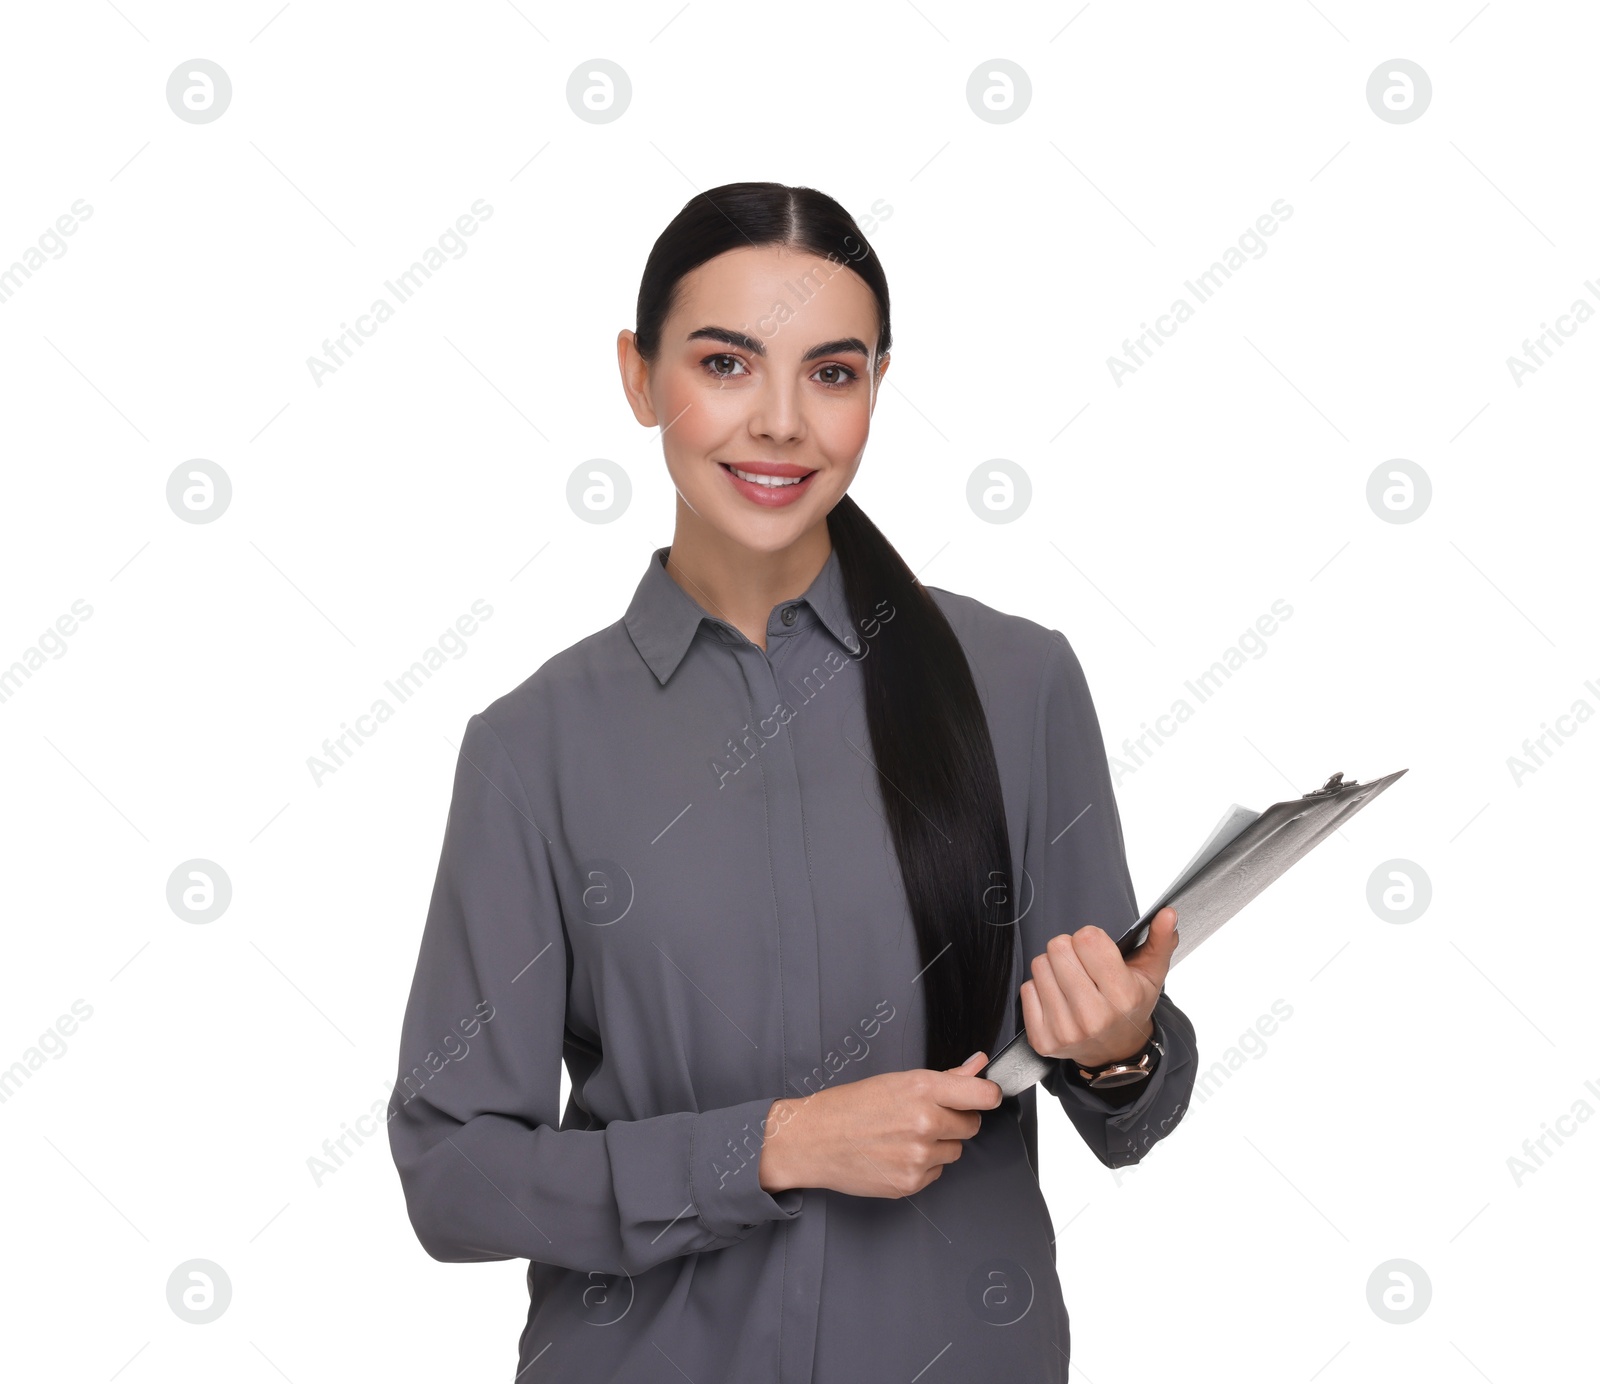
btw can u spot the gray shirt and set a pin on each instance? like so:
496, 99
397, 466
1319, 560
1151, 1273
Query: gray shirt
666, 862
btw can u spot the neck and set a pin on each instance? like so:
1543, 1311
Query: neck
739, 584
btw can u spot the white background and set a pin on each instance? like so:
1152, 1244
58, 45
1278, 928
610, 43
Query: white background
1168, 513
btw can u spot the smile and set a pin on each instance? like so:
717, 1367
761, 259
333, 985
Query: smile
756, 479
765, 488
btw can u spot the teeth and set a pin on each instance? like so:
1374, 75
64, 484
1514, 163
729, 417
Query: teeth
772, 481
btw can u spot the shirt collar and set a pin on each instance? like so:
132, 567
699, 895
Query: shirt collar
663, 618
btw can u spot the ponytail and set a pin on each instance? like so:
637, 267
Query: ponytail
941, 793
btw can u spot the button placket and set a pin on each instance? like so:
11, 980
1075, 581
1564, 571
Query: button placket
800, 1016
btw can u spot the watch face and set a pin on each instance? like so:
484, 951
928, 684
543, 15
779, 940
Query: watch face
1100, 1083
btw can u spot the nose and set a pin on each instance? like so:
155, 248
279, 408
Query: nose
776, 414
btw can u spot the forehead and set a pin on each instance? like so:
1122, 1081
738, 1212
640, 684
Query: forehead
754, 288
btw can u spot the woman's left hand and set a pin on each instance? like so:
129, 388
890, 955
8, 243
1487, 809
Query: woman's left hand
1089, 1003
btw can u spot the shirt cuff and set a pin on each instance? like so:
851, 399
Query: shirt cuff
725, 1171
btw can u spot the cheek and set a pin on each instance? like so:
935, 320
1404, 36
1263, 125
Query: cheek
699, 418
842, 432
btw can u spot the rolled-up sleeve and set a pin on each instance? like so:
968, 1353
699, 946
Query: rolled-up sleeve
474, 1118
1077, 863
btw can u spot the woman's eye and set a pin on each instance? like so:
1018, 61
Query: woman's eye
710, 363
844, 376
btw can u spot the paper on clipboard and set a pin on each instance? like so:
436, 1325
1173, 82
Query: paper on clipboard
1234, 820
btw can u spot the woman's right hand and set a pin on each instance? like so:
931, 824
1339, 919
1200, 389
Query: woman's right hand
882, 1136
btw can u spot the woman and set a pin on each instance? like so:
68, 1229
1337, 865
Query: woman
745, 860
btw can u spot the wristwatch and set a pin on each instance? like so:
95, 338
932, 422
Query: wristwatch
1128, 1070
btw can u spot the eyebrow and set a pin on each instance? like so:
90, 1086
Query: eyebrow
749, 343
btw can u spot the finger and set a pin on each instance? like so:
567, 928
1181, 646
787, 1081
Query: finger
1080, 1007
955, 1124
1050, 1005
1042, 1036
1153, 958
1104, 964
967, 1093
975, 1063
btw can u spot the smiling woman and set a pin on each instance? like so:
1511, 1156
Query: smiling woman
862, 859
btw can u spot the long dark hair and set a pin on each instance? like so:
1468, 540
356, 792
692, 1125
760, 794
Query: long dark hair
930, 739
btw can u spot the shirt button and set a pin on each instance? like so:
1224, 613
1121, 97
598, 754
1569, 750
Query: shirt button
790, 615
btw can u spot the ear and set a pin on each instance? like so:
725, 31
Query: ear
877, 381
635, 371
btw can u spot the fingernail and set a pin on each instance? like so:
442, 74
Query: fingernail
970, 1057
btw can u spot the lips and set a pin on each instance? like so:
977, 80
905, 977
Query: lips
770, 496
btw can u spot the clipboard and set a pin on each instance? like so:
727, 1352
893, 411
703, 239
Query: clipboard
1244, 853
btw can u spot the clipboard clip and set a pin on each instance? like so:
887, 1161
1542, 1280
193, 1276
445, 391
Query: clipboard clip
1333, 785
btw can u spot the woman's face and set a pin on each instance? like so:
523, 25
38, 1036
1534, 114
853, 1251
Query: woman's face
765, 366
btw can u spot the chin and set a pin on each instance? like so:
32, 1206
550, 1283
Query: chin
767, 532
771, 537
